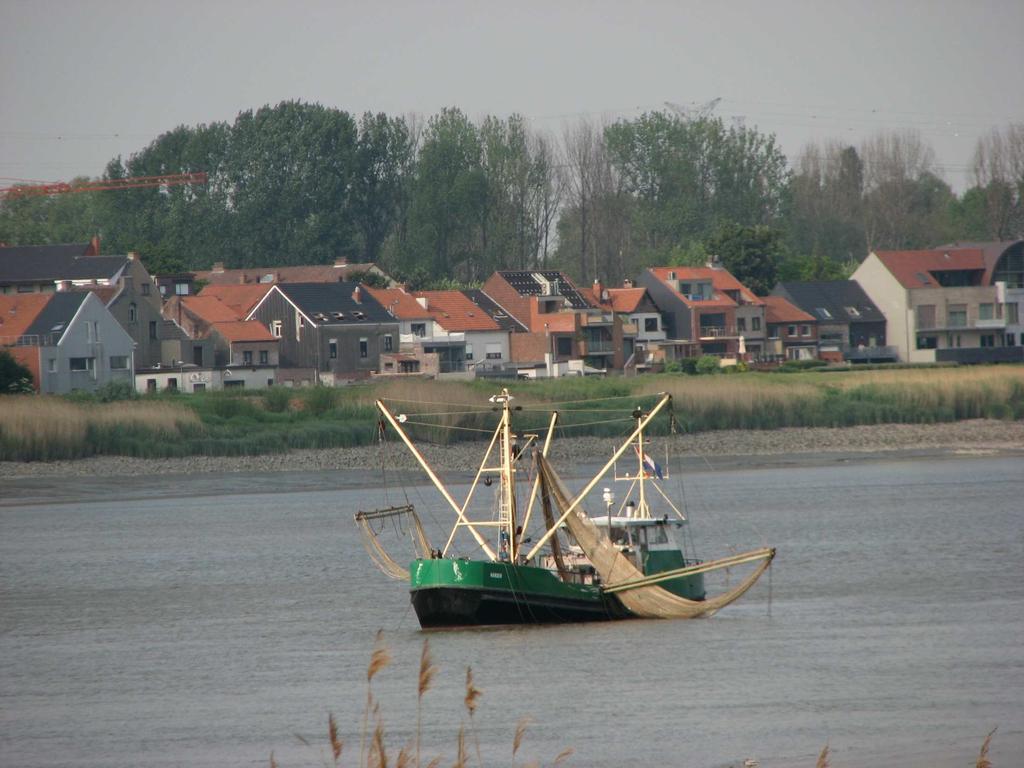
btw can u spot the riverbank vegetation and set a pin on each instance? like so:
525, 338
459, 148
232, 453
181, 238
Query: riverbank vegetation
236, 423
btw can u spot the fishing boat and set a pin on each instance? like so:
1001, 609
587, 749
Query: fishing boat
627, 563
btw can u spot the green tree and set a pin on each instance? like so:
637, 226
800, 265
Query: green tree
751, 254
383, 156
15, 378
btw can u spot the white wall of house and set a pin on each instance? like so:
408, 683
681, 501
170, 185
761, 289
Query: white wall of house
189, 379
488, 348
641, 320
893, 301
94, 350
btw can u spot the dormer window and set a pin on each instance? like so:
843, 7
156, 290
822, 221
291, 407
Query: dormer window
852, 312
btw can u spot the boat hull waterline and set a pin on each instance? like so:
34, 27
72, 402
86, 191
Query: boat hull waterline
460, 593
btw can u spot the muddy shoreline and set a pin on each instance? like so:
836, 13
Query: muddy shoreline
804, 446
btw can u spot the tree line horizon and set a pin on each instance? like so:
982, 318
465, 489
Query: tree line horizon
445, 201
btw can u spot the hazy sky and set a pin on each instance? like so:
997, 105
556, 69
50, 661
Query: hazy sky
82, 81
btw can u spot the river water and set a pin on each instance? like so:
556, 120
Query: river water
208, 621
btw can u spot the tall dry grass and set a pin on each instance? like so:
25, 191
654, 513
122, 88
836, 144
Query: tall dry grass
42, 428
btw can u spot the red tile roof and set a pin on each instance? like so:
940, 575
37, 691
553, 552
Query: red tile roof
400, 303
913, 268
18, 312
778, 310
721, 280
626, 300
241, 298
210, 309
244, 330
317, 273
454, 312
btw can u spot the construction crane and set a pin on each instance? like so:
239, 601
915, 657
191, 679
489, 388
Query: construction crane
100, 185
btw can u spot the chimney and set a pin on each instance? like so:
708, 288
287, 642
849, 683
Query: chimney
94, 246
714, 262
63, 285
423, 301
218, 266
627, 283
598, 287
357, 295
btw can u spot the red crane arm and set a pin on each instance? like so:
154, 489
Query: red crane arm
132, 182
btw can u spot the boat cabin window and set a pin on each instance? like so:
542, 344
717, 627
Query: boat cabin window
657, 534
618, 535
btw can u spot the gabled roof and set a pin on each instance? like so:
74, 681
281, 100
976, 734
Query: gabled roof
532, 284
830, 301
991, 251
210, 309
495, 311
57, 314
244, 330
913, 269
18, 311
454, 312
49, 263
320, 301
779, 310
400, 303
626, 300
241, 298
720, 278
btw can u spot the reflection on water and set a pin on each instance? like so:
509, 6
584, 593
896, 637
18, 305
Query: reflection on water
148, 627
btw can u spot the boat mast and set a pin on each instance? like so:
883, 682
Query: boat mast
642, 510
507, 513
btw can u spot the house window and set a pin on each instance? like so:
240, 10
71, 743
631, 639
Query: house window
741, 323
985, 311
493, 351
152, 329
650, 325
1012, 314
364, 347
197, 356
988, 340
264, 357
199, 387
1010, 340
671, 275
300, 323
52, 365
927, 342
145, 289
419, 329
172, 384
247, 357
26, 289
332, 349
388, 343
755, 323
275, 328
791, 330
852, 311
119, 362
563, 346
234, 384
805, 330
163, 290
773, 331
181, 289
151, 385
82, 363
956, 315
133, 313
926, 316
823, 313
469, 351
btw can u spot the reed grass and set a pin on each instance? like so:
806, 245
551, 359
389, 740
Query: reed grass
239, 423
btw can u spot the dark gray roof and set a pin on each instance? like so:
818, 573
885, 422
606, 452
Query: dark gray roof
504, 320
57, 314
527, 285
828, 301
35, 263
325, 299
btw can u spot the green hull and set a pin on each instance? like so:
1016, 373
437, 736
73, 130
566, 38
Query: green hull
452, 593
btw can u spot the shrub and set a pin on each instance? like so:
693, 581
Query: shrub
277, 399
707, 364
14, 377
115, 391
321, 400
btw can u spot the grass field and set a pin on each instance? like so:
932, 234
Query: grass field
46, 428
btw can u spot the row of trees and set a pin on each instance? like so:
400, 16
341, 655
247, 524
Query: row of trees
452, 199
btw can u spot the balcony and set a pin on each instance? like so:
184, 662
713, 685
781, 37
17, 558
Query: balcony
597, 347
441, 338
992, 323
718, 332
603, 318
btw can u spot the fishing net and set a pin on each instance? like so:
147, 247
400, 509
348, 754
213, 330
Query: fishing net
372, 524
